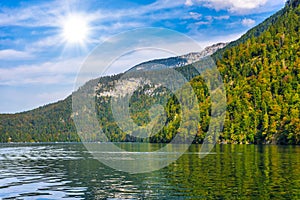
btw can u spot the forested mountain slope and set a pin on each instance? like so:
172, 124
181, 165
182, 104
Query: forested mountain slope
261, 72
262, 78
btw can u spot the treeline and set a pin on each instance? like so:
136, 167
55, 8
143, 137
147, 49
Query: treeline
262, 78
49, 123
261, 73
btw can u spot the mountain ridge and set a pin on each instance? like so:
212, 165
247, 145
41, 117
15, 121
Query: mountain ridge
178, 61
261, 74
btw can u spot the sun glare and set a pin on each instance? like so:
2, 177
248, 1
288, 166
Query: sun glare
75, 29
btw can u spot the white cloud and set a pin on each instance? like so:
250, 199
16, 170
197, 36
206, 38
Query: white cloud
29, 16
45, 43
248, 22
241, 6
11, 54
195, 15
188, 3
223, 17
59, 72
103, 21
203, 23
235, 5
51, 14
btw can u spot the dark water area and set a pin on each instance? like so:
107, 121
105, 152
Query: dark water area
68, 171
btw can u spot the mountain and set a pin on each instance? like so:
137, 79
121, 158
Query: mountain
178, 61
261, 73
261, 28
292, 3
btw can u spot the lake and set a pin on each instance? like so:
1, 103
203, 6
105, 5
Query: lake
54, 171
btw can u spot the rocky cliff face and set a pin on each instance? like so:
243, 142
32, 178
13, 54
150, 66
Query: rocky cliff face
179, 61
208, 51
125, 87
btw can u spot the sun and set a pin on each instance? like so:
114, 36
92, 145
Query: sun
75, 29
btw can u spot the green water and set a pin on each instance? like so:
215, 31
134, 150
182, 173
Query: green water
55, 171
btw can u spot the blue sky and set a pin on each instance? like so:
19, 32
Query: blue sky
39, 63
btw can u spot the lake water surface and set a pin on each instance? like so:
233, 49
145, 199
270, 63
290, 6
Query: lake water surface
55, 171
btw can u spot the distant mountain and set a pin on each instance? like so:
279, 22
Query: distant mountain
261, 73
178, 61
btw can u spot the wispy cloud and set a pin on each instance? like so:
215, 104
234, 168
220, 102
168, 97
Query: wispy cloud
199, 23
104, 22
44, 43
235, 5
222, 17
48, 14
239, 6
248, 22
188, 3
11, 54
59, 72
195, 15
34, 54
31, 16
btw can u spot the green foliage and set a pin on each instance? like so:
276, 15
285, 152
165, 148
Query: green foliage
261, 73
45, 124
262, 83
